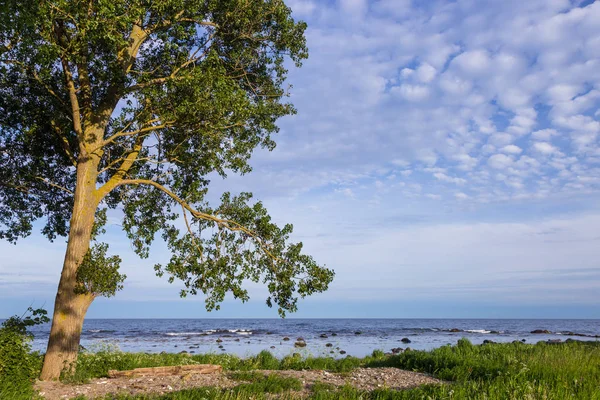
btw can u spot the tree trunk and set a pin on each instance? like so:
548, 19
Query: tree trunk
70, 307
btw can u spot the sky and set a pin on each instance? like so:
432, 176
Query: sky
444, 161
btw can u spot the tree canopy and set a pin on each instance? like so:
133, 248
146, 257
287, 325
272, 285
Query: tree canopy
141, 101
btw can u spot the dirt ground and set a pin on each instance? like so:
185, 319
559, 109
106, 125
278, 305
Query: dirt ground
361, 378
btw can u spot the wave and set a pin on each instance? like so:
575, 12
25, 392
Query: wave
100, 331
187, 334
477, 331
211, 332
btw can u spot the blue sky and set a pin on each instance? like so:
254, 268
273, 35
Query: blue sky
445, 161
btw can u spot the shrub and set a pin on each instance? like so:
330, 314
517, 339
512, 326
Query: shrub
18, 365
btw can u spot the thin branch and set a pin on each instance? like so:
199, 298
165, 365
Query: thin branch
48, 182
147, 129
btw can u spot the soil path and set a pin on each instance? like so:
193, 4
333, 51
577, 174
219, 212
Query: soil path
361, 378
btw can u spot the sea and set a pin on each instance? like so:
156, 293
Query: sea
323, 337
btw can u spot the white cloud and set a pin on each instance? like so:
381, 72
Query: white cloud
355, 7
544, 148
500, 161
412, 92
511, 149
544, 134
473, 62
445, 178
426, 73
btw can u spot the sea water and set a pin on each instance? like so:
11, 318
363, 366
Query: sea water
357, 337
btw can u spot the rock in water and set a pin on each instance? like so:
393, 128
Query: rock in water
405, 340
541, 331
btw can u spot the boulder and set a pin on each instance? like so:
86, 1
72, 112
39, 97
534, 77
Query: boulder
454, 330
405, 340
358, 333
541, 331
397, 350
323, 336
487, 341
300, 344
285, 339
328, 345
342, 351
334, 334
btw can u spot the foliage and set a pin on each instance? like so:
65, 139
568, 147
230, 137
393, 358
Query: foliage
135, 105
18, 365
99, 274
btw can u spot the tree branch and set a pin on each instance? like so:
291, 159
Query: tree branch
75, 109
48, 182
64, 142
132, 133
157, 81
221, 222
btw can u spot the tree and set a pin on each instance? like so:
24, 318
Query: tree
131, 105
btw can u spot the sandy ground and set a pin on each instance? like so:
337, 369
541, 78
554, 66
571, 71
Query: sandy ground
361, 378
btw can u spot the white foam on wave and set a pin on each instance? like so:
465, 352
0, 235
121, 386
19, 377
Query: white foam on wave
185, 333
477, 331
210, 332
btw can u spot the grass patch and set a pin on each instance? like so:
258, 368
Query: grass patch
270, 384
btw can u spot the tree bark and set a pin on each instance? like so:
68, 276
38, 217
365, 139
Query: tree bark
70, 307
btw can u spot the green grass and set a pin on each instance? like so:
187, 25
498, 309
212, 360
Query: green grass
96, 365
494, 371
259, 382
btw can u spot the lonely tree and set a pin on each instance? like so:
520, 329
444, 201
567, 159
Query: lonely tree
131, 105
